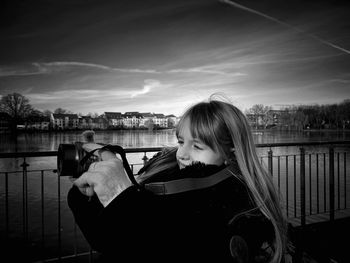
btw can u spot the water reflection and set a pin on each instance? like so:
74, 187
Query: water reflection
50, 141
134, 138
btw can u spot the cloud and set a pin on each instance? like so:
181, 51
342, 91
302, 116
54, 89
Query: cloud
64, 64
20, 71
209, 69
38, 68
206, 70
149, 84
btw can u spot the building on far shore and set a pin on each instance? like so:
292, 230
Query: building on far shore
64, 121
108, 120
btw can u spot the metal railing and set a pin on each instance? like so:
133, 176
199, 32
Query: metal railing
311, 176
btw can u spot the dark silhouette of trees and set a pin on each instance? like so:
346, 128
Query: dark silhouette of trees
61, 111
332, 116
329, 116
17, 107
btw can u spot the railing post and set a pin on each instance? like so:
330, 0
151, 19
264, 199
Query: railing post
331, 183
269, 161
24, 165
345, 180
302, 187
144, 158
59, 216
7, 204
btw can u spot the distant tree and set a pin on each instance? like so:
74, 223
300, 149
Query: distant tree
35, 116
47, 113
61, 111
93, 115
17, 107
285, 119
344, 109
260, 114
298, 119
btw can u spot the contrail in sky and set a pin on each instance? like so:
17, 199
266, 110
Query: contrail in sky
284, 24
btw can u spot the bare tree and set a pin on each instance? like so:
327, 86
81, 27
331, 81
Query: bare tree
17, 107
260, 114
47, 113
61, 111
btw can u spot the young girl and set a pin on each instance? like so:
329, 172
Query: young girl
217, 133
217, 201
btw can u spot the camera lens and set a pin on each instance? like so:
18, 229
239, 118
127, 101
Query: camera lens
67, 160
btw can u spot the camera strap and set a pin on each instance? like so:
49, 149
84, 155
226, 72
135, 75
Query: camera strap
118, 149
114, 149
188, 184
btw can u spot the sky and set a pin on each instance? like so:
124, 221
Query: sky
161, 56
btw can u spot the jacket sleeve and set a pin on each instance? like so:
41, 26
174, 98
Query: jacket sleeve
120, 225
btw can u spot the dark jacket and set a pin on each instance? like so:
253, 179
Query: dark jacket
191, 227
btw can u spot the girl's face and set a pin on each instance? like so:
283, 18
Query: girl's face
192, 150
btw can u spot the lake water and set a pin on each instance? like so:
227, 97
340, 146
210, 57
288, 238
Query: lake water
50, 141
41, 223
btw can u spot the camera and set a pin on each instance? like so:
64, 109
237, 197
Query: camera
73, 160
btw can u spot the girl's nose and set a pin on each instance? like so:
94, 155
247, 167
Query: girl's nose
182, 153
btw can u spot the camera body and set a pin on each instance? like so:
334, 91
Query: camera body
73, 160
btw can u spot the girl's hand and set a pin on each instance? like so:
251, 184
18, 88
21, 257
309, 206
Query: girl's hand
106, 178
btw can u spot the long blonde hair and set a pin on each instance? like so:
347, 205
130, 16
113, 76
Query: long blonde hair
225, 129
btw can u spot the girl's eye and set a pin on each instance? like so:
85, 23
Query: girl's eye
180, 142
198, 147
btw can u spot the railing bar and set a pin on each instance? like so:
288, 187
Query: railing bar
25, 200
157, 149
279, 171
270, 162
23, 204
324, 183
302, 187
287, 190
144, 158
295, 185
59, 215
21, 171
345, 180
7, 205
310, 187
42, 214
331, 183
26, 171
338, 179
317, 184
